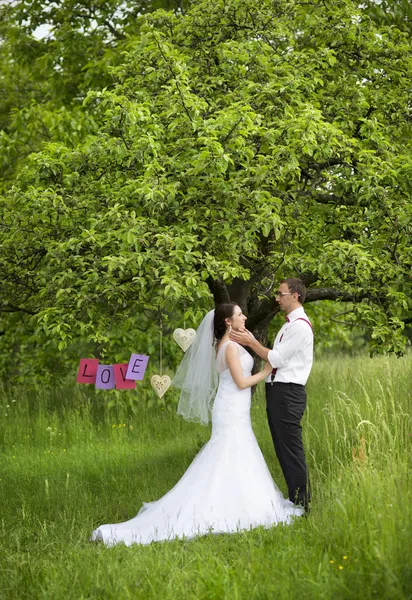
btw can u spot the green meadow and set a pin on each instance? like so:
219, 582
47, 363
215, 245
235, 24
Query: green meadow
70, 463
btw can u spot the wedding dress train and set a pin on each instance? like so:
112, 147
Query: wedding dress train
228, 486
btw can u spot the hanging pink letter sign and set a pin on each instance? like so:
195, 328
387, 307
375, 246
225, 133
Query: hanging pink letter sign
87, 370
137, 367
105, 377
122, 383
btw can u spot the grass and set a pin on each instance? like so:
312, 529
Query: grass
68, 463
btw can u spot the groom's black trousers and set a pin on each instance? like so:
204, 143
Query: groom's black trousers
285, 405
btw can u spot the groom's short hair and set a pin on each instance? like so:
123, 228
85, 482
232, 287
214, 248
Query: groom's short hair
296, 286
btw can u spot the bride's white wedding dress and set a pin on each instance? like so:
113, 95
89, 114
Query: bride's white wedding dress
227, 488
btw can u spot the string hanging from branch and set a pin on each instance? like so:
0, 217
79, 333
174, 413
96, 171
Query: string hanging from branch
160, 383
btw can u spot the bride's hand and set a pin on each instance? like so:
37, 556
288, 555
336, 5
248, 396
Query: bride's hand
267, 369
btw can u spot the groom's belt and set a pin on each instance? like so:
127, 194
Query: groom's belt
285, 383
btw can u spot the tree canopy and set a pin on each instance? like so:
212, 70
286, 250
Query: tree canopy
231, 145
393, 13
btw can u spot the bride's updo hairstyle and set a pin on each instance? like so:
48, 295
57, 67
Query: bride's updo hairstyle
222, 312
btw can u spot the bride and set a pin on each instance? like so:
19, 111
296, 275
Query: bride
228, 487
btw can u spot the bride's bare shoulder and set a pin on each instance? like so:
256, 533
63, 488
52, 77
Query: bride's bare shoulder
232, 347
223, 345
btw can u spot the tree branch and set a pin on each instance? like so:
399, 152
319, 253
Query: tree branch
332, 162
268, 307
327, 198
9, 308
219, 290
334, 294
92, 15
174, 78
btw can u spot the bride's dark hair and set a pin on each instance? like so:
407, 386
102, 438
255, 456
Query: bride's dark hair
222, 312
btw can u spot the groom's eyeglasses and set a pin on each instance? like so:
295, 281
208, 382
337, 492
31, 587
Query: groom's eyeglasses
285, 293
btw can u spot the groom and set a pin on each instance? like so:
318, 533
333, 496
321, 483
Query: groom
291, 359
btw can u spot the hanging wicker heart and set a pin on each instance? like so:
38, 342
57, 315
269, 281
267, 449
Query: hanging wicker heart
160, 384
184, 337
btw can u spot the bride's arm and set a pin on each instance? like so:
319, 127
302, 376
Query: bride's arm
235, 367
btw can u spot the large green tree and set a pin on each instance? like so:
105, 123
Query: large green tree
236, 144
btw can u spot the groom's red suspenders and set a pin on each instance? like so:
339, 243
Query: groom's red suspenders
281, 337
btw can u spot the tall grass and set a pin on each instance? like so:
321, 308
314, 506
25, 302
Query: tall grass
68, 463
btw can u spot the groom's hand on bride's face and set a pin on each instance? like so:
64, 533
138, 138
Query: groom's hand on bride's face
242, 336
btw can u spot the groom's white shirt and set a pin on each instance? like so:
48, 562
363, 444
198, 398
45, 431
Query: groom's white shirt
292, 353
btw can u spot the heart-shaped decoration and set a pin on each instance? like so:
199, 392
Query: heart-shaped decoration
160, 384
184, 337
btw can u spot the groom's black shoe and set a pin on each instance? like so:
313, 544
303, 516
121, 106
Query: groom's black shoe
301, 498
